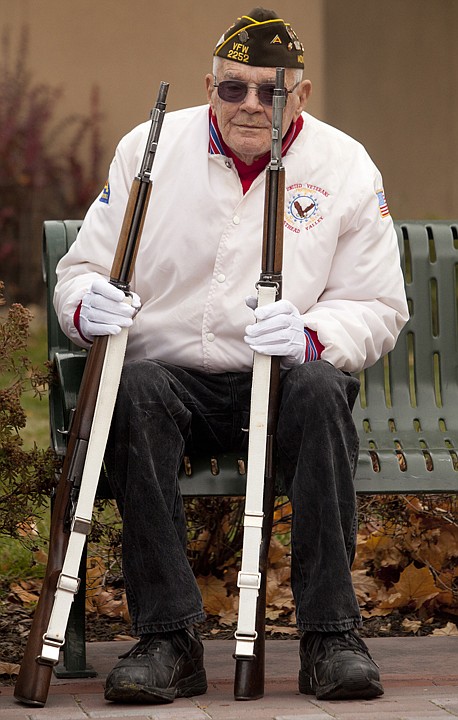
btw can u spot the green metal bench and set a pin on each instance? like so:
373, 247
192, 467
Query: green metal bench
407, 414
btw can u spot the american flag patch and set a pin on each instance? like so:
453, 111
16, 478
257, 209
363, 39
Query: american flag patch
382, 204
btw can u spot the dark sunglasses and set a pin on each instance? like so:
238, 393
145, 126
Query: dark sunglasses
235, 91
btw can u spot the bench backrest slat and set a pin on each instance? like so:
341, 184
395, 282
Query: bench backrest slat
408, 411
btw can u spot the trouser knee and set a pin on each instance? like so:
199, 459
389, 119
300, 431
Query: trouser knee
318, 386
140, 379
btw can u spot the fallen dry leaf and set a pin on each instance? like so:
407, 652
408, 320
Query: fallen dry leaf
278, 591
26, 591
27, 528
103, 603
415, 585
40, 557
447, 597
213, 593
441, 547
278, 553
9, 669
365, 586
449, 629
282, 518
273, 614
411, 625
200, 541
375, 612
95, 572
381, 546
284, 630
280, 598
228, 611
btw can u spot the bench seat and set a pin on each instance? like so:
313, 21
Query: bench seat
406, 414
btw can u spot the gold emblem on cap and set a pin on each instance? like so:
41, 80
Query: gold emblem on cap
276, 39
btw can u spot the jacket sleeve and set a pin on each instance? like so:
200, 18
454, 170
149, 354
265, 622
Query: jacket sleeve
360, 313
92, 253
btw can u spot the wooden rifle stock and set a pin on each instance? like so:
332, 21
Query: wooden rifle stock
249, 671
34, 677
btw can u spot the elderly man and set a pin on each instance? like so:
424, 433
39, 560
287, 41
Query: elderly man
187, 378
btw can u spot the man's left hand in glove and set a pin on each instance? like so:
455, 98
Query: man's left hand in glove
279, 330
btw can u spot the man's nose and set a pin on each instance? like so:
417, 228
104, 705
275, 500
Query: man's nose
251, 102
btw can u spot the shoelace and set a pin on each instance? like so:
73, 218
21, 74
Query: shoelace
330, 643
147, 645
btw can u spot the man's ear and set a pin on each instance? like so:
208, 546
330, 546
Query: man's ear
302, 92
209, 82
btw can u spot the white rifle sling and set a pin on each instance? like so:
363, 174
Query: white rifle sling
68, 582
249, 577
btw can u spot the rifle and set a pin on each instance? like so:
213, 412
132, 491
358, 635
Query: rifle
261, 468
87, 437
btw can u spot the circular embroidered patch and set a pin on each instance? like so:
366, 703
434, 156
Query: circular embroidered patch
303, 206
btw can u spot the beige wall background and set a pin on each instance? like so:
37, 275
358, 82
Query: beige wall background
385, 72
391, 80
127, 47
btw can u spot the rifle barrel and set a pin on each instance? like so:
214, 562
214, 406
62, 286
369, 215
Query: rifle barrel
32, 685
249, 670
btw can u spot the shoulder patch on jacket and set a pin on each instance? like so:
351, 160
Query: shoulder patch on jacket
105, 195
382, 203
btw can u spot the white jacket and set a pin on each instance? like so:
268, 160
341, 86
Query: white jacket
200, 252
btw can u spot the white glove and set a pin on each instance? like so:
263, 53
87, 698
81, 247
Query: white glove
104, 310
279, 330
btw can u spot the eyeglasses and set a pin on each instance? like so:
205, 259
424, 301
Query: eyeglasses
235, 91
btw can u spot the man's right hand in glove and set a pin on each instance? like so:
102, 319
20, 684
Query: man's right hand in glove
104, 310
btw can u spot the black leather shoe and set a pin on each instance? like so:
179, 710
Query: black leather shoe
337, 666
158, 669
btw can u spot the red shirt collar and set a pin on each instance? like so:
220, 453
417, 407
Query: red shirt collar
247, 173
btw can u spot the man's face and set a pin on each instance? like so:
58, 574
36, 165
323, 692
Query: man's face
246, 126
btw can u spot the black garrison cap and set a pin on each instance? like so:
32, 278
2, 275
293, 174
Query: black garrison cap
263, 39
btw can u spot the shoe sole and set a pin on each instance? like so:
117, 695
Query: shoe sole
133, 693
356, 687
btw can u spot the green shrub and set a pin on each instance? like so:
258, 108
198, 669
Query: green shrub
26, 475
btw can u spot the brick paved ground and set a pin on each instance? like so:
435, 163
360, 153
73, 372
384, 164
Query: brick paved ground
420, 676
